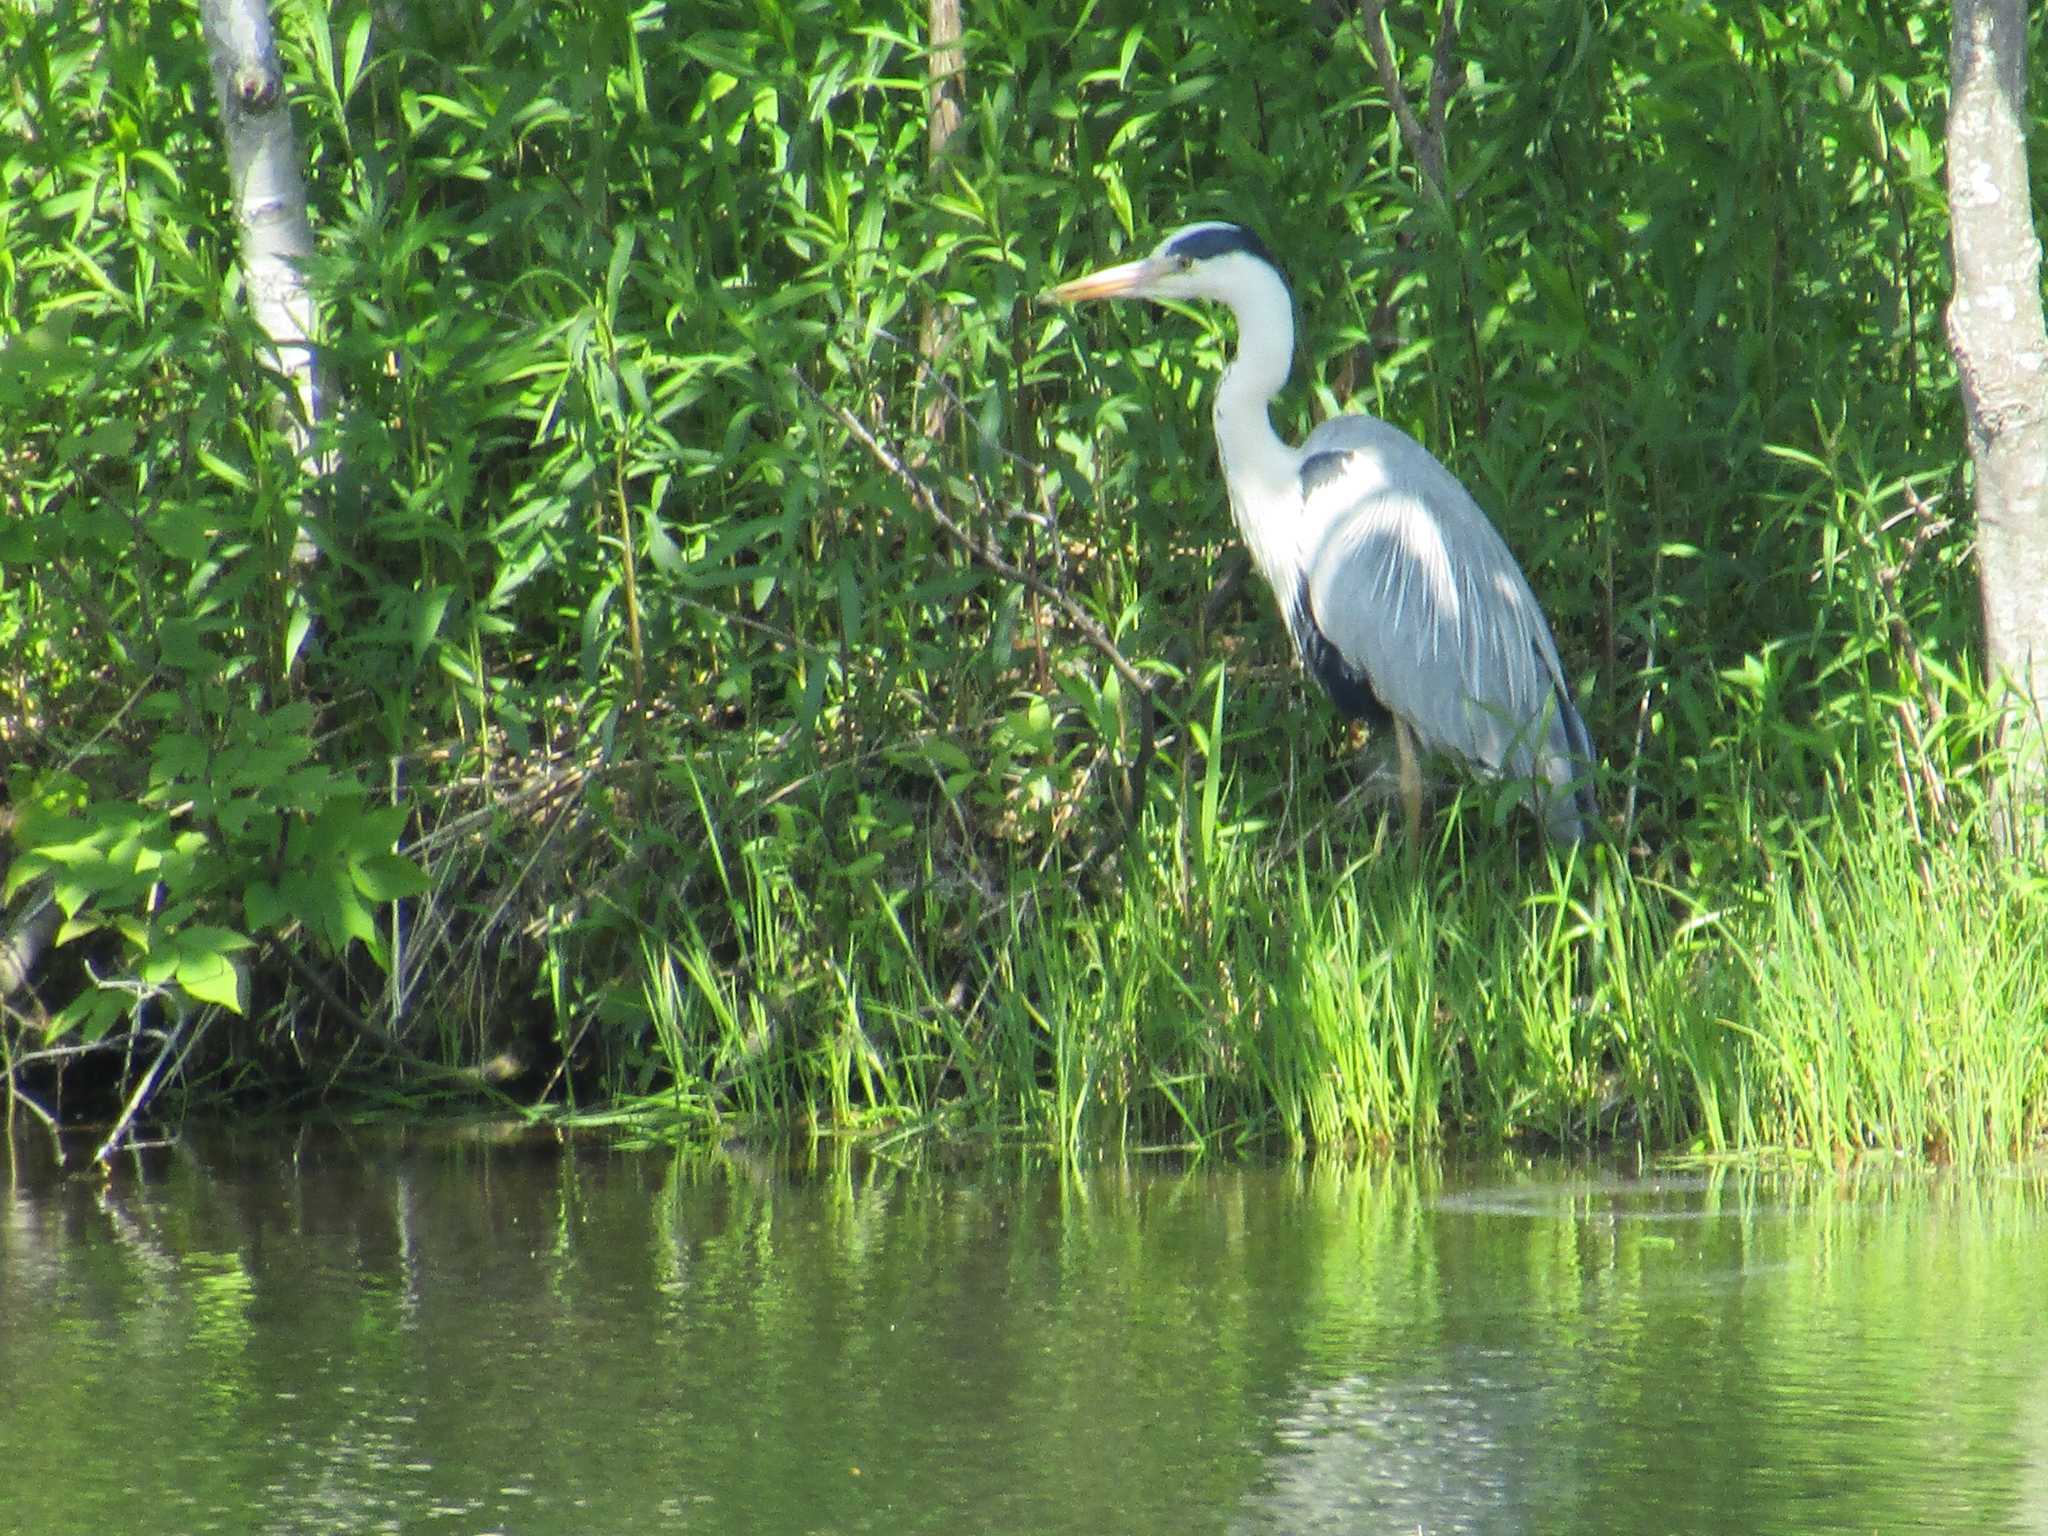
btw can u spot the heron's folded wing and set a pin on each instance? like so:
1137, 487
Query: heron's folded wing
1416, 592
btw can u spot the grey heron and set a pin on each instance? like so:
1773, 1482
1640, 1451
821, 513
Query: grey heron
1401, 597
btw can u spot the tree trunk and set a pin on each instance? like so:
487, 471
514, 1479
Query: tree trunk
944, 70
2001, 347
270, 207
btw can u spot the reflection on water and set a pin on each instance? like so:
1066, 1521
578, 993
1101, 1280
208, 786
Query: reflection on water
462, 1333
1445, 1454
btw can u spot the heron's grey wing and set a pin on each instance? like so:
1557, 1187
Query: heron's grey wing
1413, 589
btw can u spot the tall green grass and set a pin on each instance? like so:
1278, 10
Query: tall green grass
1894, 997
1213, 988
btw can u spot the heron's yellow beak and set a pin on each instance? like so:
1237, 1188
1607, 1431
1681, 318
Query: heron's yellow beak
1126, 281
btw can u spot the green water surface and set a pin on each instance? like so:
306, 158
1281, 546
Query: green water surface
462, 1334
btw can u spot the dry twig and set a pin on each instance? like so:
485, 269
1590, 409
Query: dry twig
1424, 141
988, 554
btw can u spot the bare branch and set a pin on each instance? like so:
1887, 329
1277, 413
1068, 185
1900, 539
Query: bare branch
1443, 76
1425, 141
981, 549
985, 552
1426, 144
144, 1088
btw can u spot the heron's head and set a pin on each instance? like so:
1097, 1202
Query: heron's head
1202, 261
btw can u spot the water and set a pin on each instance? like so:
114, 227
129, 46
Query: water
455, 1333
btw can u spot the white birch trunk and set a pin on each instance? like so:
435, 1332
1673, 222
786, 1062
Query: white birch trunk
943, 90
2001, 347
270, 208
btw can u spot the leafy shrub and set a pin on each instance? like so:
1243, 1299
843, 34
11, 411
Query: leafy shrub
622, 635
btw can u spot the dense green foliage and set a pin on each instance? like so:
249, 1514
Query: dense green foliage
635, 710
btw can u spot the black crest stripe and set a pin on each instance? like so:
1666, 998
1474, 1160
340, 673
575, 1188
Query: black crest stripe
1220, 240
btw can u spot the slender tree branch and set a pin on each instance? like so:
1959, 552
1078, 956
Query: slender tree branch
1426, 143
122, 1042
16, 1096
318, 984
473, 1077
140, 1096
987, 554
1443, 76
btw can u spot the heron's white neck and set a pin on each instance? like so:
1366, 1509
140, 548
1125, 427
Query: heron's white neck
1261, 470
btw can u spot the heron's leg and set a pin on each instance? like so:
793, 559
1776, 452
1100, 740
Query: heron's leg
1411, 782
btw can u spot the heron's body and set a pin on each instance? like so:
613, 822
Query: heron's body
1401, 597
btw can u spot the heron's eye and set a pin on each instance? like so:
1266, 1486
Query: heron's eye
1185, 263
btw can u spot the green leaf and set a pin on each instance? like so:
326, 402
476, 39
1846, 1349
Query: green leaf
428, 613
233, 476
298, 629
383, 877
264, 907
210, 976
356, 55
